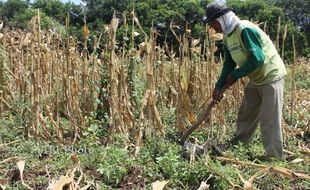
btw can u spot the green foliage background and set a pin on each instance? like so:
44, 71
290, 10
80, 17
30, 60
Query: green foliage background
160, 13
159, 158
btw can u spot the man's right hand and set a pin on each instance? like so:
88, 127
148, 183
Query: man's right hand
216, 95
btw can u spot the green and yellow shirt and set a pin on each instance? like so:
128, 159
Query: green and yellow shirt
249, 48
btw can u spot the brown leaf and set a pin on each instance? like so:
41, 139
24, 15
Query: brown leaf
74, 158
297, 160
2, 187
85, 31
159, 185
58, 185
203, 186
21, 166
3, 181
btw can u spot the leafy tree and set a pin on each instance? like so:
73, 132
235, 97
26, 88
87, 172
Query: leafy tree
156, 13
101, 12
59, 11
15, 11
159, 14
299, 13
52, 8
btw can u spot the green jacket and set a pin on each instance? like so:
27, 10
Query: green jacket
249, 48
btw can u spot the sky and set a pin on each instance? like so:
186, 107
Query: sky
73, 1
65, 1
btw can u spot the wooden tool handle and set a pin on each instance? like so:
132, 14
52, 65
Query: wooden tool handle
202, 117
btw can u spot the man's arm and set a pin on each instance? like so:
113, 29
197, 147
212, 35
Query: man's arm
228, 66
251, 41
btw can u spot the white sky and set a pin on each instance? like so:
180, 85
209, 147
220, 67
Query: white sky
65, 1
73, 1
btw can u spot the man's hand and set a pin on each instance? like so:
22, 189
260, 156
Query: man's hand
216, 95
230, 80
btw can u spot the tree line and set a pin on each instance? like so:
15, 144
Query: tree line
183, 15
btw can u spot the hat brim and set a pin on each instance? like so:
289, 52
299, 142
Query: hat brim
205, 19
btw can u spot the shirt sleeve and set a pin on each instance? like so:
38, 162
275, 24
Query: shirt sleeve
251, 42
228, 66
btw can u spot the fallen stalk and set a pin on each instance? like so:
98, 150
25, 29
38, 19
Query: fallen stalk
280, 170
9, 143
9, 160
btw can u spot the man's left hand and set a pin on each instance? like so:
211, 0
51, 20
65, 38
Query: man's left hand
230, 80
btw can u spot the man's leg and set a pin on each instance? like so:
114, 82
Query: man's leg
271, 118
249, 114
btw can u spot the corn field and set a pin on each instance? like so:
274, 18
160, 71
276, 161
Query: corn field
47, 76
50, 78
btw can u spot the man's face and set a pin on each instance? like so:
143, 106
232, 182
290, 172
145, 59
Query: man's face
216, 26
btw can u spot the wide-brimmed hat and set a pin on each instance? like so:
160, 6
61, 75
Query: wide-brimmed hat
214, 10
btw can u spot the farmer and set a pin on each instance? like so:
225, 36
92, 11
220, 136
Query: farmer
248, 51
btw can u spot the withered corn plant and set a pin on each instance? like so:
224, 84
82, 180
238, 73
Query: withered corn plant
49, 76
48, 80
